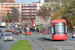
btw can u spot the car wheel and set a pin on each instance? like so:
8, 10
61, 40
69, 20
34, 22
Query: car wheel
0, 37
4, 40
72, 37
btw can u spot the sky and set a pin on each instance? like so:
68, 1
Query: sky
26, 1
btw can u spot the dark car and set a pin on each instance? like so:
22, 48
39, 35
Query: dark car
1, 34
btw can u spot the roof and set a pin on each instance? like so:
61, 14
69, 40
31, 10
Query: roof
60, 20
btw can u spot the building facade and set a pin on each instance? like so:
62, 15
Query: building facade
27, 11
7, 1
5, 7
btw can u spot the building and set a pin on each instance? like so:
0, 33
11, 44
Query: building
7, 1
53, 1
5, 7
27, 11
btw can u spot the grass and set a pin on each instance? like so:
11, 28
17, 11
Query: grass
21, 45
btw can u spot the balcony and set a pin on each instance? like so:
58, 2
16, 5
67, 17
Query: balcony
28, 9
28, 15
28, 12
29, 6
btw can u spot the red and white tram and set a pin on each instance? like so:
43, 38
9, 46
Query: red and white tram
27, 31
55, 30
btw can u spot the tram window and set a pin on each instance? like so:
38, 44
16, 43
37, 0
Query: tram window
45, 29
26, 29
52, 29
65, 29
59, 28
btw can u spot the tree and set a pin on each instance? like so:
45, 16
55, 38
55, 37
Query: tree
69, 12
15, 14
8, 16
43, 12
54, 8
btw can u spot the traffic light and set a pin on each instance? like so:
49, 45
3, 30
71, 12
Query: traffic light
70, 12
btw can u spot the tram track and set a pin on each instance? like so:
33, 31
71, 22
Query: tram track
37, 44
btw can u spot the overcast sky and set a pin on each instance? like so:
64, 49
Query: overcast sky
26, 1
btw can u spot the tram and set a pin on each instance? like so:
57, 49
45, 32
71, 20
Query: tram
55, 30
27, 31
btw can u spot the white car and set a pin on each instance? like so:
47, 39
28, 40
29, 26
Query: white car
73, 36
8, 36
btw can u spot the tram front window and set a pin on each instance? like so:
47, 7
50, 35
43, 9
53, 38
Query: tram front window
27, 29
59, 28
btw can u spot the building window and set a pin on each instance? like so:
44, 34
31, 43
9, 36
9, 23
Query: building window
16, 4
34, 4
3, 4
29, 5
30, 10
3, 14
8, 8
3, 7
30, 13
7, 4
10, 4
3, 11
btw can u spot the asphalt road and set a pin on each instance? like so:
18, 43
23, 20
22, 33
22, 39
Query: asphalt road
38, 43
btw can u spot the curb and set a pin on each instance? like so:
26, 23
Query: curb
12, 45
30, 45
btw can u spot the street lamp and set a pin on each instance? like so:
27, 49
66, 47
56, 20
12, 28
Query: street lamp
20, 14
35, 15
60, 2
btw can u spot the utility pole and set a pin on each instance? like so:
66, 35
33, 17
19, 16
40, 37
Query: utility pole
60, 2
35, 16
20, 15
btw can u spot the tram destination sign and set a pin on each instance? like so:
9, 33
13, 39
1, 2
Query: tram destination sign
59, 23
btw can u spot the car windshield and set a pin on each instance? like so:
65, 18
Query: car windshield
59, 27
8, 34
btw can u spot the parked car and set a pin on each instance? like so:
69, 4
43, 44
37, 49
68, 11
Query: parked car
73, 36
1, 34
8, 36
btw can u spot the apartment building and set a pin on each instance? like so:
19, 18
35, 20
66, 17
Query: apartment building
7, 1
26, 10
5, 7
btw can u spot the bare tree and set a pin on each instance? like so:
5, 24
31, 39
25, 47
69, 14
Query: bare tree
15, 14
44, 13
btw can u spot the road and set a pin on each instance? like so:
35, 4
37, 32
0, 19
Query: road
38, 43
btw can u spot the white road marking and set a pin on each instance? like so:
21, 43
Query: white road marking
60, 49
15, 39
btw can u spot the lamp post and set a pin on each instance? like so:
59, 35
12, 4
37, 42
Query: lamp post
35, 16
20, 14
60, 2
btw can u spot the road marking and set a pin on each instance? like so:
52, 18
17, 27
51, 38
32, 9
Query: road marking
15, 39
60, 49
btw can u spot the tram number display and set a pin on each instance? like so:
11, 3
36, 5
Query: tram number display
59, 23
